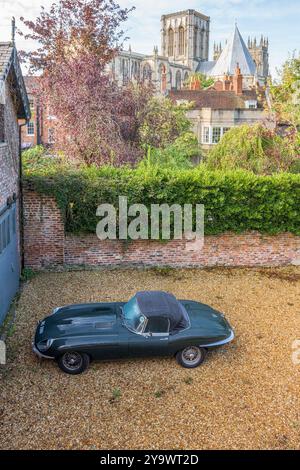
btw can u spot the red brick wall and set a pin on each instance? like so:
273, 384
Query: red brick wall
46, 246
42, 123
43, 232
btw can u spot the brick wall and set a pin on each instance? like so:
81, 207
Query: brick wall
46, 246
9, 152
43, 232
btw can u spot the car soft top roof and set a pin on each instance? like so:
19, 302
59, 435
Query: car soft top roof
159, 303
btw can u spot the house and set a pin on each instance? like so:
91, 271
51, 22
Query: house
222, 106
40, 129
14, 105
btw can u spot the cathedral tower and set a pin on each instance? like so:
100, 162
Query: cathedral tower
259, 51
185, 37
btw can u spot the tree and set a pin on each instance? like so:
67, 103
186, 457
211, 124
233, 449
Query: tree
254, 148
203, 80
162, 122
72, 28
96, 120
178, 155
285, 94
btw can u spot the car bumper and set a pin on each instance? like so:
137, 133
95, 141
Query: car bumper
39, 354
220, 343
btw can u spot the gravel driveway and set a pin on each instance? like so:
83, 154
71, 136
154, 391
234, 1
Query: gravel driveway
246, 395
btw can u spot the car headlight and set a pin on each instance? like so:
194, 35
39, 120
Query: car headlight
45, 344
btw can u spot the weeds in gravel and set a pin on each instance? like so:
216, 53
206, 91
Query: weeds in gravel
163, 271
188, 380
282, 276
27, 274
116, 395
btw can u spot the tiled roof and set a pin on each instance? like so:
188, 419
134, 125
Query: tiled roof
6, 52
8, 60
206, 67
235, 52
214, 99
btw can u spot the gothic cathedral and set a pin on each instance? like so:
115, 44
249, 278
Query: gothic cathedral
185, 40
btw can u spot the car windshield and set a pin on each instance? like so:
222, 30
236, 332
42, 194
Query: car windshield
134, 320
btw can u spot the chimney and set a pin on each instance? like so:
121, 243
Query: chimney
238, 81
13, 31
226, 82
195, 83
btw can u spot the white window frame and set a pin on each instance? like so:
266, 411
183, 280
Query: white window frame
251, 104
204, 128
31, 124
52, 140
212, 134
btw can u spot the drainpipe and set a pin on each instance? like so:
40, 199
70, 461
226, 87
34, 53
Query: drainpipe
21, 204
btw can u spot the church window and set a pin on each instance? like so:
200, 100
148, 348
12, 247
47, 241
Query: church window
178, 80
181, 41
196, 42
171, 42
147, 72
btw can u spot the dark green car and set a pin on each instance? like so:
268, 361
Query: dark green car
152, 323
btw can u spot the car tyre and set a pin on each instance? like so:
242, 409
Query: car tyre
191, 356
73, 362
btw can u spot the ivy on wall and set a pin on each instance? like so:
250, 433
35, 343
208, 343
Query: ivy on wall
235, 201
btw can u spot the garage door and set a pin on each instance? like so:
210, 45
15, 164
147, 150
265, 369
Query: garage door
9, 259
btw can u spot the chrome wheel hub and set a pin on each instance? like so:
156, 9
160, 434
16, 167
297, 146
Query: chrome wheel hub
72, 360
191, 355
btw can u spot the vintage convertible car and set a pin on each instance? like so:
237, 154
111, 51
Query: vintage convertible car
152, 323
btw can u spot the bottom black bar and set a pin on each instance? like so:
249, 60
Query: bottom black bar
134, 459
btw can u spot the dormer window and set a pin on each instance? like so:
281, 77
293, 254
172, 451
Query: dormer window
251, 104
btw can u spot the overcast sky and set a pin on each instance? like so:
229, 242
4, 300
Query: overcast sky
278, 20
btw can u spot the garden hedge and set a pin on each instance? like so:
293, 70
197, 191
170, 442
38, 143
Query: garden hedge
234, 201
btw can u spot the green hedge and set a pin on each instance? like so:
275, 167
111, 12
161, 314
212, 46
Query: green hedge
234, 201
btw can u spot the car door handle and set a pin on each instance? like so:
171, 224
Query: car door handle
164, 339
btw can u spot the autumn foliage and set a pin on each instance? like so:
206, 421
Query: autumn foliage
97, 122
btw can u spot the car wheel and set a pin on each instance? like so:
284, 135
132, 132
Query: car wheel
191, 357
73, 362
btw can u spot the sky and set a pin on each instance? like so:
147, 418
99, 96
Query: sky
278, 20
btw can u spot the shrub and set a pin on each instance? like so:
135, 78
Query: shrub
177, 155
40, 159
234, 201
254, 148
